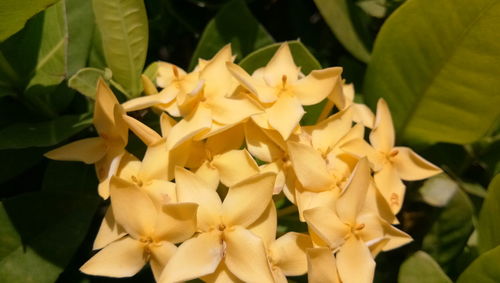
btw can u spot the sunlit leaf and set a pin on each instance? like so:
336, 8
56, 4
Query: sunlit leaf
85, 81
420, 267
438, 190
484, 269
489, 225
438, 70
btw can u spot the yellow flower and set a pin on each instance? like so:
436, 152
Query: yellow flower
283, 91
222, 230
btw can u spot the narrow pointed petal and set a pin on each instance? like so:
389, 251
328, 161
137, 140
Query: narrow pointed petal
263, 92
411, 166
160, 255
105, 102
310, 168
396, 237
176, 222
147, 101
352, 199
246, 201
389, 184
289, 253
123, 258
322, 266
166, 124
148, 86
246, 256
281, 64
288, 107
217, 77
355, 262
132, 208
109, 231
327, 133
326, 224
229, 139
88, 150
143, 132
317, 85
183, 266
155, 162
362, 114
209, 174
199, 120
191, 188
178, 157
260, 145
265, 225
382, 135
235, 166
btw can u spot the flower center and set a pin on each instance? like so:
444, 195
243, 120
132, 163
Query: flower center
222, 227
137, 181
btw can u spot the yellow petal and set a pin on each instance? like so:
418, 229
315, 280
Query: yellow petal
160, 255
264, 93
147, 101
132, 208
277, 168
229, 139
190, 188
327, 133
123, 258
310, 167
246, 201
233, 109
397, 238
167, 73
105, 102
209, 174
382, 135
355, 262
362, 114
161, 192
352, 199
166, 124
360, 148
129, 166
289, 253
376, 203
148, 86
217, 77
306, 199
143, 132
221, 275
231, 174
155, 162
178, 157
88, 150
259, 144
389, 184
326, 224
184, 265
246, 256
411, 166
265, 225
199, 120
338, 96
109, 231
176, 222
281, 64
289, 107
372, 227
317, 85
322, 266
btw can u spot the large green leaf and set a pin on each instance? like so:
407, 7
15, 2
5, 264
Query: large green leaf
489, 225
484, 269
22, 135
233, 24
449, 234
302, 57
437, 65
123, 25
420, 267
85, 80
14, 14
336, 15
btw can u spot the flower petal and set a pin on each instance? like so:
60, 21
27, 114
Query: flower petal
327, 133
310, 167
397, 238
259, 144
411, 166
289, 253
221, 275
281, 64
265, 226
327, 225
167, 73
218, 79
132, 208
362, 114
191, 188
229, 139
355, 262
317, 85
263, 92
105, 102
234, 109
390, 186
160, 255
123, 258
209, 174
88, 150
322, 266
142, 131
234, 166
176, 222
109, 231
166, 124
200, 119
352, 199
147, 101
382, 135
184, 266
246, 201
289, 107
306, 199
161, 192
246, 256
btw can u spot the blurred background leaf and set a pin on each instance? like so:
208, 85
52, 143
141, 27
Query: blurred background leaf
420, 267
484, 269
489, 224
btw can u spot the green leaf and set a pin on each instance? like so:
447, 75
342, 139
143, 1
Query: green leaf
14, 14
336, 15
489, 226
41, 232
438, 190
22, 135
85, 81
438, 70
302, 57
420, 267
484, 269
451, 230
123, 25
234, 24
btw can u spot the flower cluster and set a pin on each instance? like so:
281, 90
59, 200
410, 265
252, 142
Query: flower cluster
235, 147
